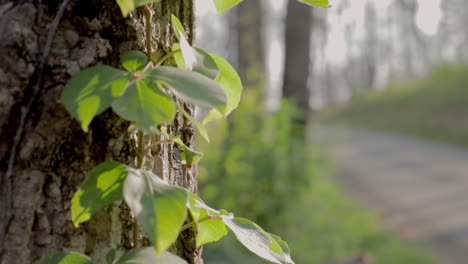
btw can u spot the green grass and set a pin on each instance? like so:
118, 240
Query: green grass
435, 107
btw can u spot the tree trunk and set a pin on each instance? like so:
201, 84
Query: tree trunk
44, 154
251, 61
297, 45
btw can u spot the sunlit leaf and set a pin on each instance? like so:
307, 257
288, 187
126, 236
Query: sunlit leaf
65, 258
144, 104
91, 91
284, 247
223, 5
210, 227
102, 186
133, 60
254, 238
127, 6
191, 87
187, 53
196, 60
231, 83
159, 207
210, 231
321, 3
179, 28
200, 128
148, 256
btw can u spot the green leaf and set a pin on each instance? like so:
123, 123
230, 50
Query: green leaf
223, 5
159, 207
206, 65
200, 128
134, 60
196, 60
148, 256
189, 156
64, 258
102, 186
284, 246
127, 6
231, 83
260, 242
110, 256
191, 87
210, 227
179, 28
210, 231
92, 91
144, 104
321, 3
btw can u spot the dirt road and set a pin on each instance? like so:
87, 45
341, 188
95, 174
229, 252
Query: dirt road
418, 188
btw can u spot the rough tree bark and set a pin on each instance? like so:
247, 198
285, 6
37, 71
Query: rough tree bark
297, 45
43, 153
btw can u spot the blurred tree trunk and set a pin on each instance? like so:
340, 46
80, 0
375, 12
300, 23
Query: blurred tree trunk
43, 152
251, 57
297, 45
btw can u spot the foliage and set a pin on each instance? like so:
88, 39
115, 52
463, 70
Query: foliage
284, 187
223, 5
145, 94
431, 107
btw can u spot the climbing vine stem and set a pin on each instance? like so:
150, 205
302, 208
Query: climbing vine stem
148, 29
146, 95
167, 56
141, 147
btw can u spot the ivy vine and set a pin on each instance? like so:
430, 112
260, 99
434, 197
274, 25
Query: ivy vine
144, 94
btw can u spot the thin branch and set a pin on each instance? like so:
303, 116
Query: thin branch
148, 31
167, 56
190, 224
141, 147
157, 143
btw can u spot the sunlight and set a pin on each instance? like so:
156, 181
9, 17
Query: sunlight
428, 16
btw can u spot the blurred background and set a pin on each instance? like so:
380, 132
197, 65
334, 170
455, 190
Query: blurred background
351, 138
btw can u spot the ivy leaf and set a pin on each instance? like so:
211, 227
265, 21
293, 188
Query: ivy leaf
110, 256
321, 3
127, 6
191, 87
92, 91
196, 60
148, 255
189, 156
133, 60
179, 28
189, 58
102, 186
231, 83
223, 5
65, 258
210, 231
210, 227
284, 246
160, 207
144, 104
257, 240
200, 128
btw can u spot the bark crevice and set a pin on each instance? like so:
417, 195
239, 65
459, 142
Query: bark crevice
54, 154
